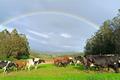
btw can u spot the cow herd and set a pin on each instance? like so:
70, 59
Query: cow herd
20, 64
102, 61
99, 62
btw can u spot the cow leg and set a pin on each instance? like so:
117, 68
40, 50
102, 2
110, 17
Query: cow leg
108, 68
36, 67
99, 68
5, 69
28, 67
116, 69
65, 64
86, 67
25, 68
75, 65
56, 64
59, 64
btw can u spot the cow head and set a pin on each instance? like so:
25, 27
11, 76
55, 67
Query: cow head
41, 61
11, 64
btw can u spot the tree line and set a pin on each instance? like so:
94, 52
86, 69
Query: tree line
107, 39
13, 45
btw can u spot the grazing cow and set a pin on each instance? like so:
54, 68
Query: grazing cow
63, 61
101, 61
34, 62
20, 64
6, 65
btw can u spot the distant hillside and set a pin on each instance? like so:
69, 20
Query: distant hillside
53, 54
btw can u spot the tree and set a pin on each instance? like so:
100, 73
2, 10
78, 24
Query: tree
102, 42
115, 22
117, 41
107, 39
13, 45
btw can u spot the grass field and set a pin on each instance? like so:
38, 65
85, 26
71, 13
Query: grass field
50, 72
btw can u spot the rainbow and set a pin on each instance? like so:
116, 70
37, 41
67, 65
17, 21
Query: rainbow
79, 18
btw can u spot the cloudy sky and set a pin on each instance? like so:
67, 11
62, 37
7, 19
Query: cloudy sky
56, 25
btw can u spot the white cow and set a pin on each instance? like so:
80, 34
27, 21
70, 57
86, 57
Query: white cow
33, 62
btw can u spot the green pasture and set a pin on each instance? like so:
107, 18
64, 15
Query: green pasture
51, 72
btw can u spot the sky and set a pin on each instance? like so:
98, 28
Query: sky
56, 25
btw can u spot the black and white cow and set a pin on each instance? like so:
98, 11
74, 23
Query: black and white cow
102, 61
77, 60
6, 65
34, 62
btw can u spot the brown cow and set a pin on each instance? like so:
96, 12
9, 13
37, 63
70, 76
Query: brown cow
20, 64
62, 61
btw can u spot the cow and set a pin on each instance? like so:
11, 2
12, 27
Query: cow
77, 60
20, 64
63, 61
101, 61
6, 65
34, 62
